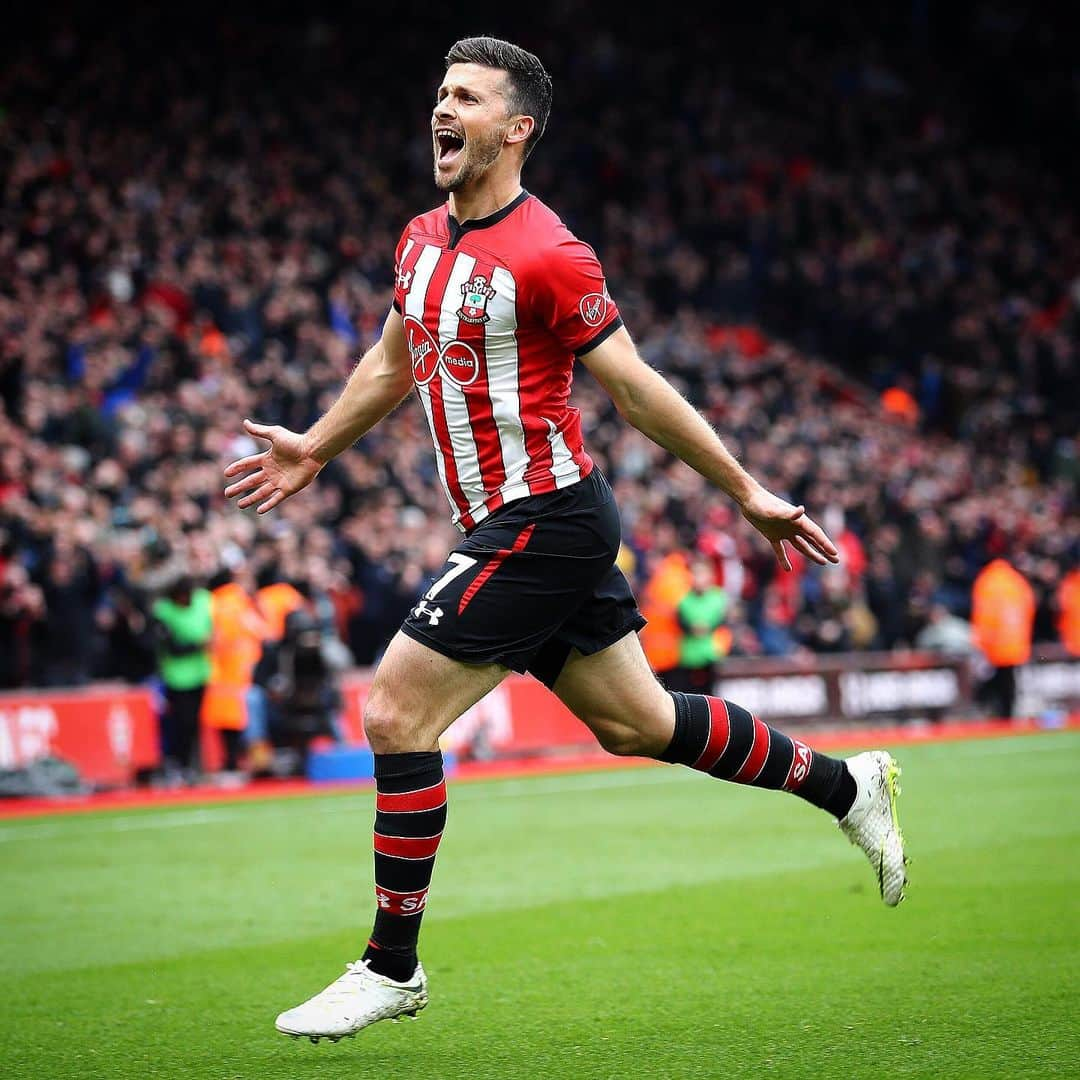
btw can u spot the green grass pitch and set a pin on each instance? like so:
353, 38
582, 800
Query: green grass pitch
631, 923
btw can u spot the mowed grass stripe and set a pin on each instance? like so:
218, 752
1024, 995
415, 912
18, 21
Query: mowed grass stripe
124, 820
165, 818
662, 929
264, 880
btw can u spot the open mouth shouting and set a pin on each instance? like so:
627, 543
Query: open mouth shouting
449, 147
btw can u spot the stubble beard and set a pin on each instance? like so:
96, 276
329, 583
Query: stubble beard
480, 155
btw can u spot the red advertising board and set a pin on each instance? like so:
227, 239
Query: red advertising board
110, 732
107, 732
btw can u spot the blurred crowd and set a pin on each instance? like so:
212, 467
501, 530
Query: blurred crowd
871, 291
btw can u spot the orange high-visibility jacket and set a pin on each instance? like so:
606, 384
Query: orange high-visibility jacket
276, 602
235, 648
1002, 614
1069, 611
669, 583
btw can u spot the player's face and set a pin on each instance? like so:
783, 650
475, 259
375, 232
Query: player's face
468, 124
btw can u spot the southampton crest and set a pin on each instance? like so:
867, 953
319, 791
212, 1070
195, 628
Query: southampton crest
476, 294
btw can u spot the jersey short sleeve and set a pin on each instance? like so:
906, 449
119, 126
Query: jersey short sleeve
570, 297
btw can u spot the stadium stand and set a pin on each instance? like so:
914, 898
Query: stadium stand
849, 258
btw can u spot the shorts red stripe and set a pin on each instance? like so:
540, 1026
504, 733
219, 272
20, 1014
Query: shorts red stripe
755, 760
407, 847
492, 565
401, 903
719, 733
408, 802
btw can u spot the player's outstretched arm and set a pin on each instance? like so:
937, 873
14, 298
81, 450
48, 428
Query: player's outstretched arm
649, 402
379, 382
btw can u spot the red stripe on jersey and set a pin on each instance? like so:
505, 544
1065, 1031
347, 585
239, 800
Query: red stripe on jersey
407, 847
755, 760
410, 802
800, 765
719, 733
478, 399
492, 565
401, 903
576, 444
433, 303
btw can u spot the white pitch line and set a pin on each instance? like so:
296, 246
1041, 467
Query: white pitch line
342, 804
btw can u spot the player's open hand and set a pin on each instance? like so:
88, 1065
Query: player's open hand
272, 476
781, 523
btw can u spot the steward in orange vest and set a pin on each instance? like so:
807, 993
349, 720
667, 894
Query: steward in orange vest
1002, 614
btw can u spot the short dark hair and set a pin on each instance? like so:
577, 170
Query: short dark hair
530, 84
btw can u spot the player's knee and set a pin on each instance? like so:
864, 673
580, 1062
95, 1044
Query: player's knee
385, 725
619, 739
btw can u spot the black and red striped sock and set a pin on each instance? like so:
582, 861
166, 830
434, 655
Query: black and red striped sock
410, 815
722, 739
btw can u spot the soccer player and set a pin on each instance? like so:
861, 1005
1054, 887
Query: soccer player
493, 300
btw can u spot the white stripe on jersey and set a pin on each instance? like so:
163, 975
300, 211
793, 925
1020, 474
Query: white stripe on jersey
501, 352
563, 466
414, 306
455, 407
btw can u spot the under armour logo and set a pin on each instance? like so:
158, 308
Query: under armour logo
433, 614
404, 279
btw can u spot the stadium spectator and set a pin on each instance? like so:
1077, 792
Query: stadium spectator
945, 632
274, 600
705, 640
69, 587
1002, 614
235, 647
774, 625
182, 629
127, 653
667, 584
1069, 611
299, 674
22, 612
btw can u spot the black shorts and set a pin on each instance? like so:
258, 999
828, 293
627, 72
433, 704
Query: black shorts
531, 582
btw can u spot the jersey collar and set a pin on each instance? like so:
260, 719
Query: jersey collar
458, 229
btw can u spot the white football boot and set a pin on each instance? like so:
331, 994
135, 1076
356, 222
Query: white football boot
872, 824
357, 999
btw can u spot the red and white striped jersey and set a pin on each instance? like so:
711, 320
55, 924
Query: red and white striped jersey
495, 311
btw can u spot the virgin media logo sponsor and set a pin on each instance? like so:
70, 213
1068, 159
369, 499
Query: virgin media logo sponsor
457, 361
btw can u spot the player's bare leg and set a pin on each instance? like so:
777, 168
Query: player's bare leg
416, 695
615, 693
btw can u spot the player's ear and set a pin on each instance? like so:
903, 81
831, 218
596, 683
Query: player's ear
521, 127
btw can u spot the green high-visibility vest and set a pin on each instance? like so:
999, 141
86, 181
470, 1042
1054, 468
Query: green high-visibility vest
191, 625
701, 609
